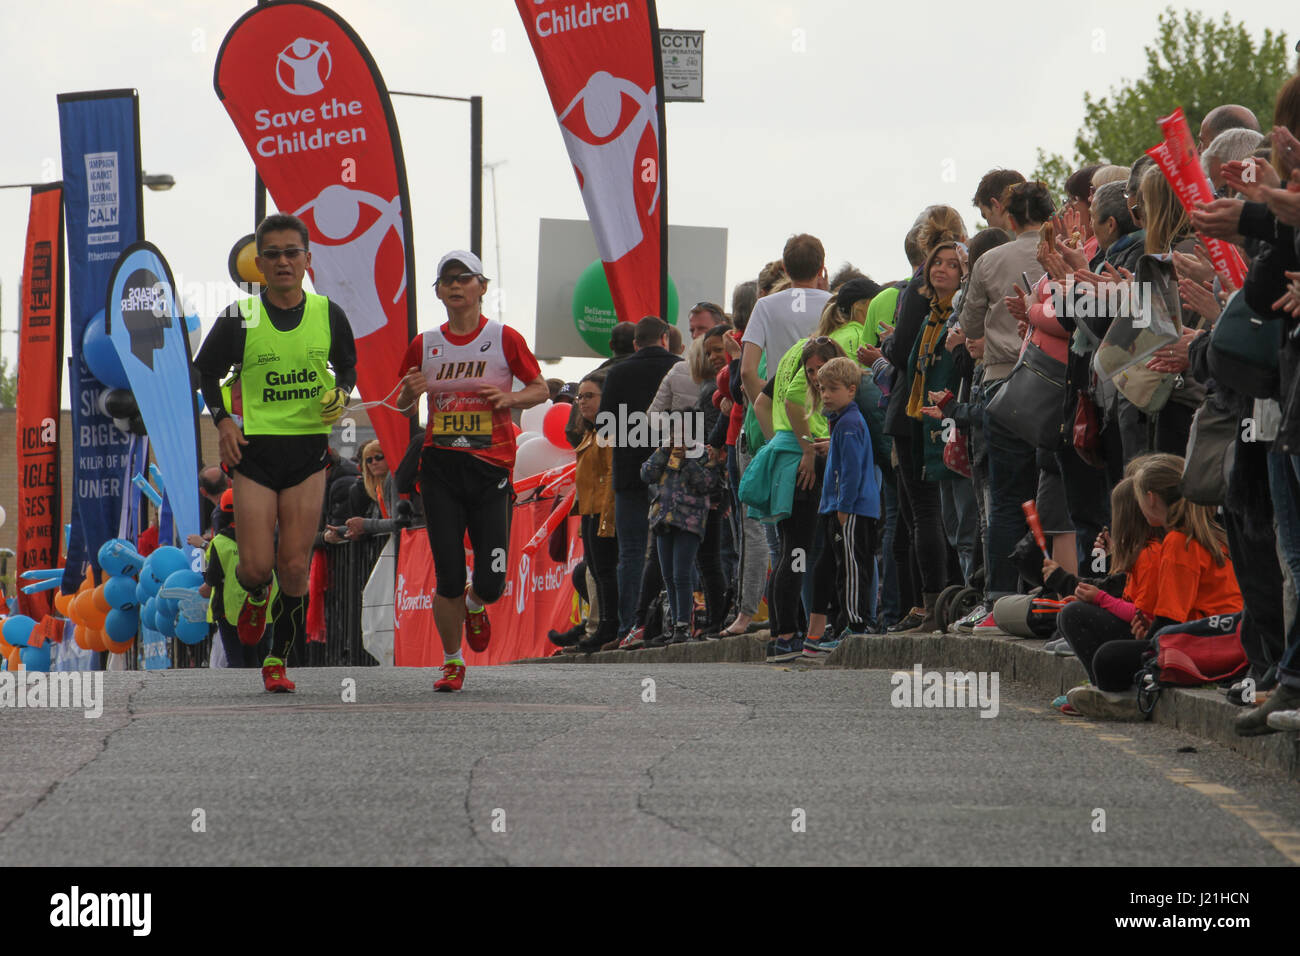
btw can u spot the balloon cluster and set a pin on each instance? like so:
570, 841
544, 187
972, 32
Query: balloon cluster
100, 356
541, 444
168, 595
21, 646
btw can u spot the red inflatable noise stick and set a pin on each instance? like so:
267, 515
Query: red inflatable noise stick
1035, 526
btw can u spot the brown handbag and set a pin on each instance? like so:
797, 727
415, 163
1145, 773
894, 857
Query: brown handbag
1087, 431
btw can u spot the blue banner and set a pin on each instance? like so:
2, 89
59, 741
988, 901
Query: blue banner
147, 329
103, 206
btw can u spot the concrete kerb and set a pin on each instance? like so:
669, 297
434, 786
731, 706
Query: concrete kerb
1199, 712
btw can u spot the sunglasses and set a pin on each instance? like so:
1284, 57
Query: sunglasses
374, 458
274, 254
458, 279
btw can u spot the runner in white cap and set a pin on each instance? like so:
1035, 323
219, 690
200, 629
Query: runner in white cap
467, 367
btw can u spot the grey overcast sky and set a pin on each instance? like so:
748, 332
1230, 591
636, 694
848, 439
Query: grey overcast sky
842, 119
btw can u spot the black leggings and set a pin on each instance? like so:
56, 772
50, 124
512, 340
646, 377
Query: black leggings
1087, 627
709, 561
1116, 662
919, 499
462, 493
602, 561
797, 532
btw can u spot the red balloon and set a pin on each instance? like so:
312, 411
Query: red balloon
557, 418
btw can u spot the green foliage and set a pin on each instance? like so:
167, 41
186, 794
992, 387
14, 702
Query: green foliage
1052, 169
1195, 62
8, 384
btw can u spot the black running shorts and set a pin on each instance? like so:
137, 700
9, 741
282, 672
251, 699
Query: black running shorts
282, 461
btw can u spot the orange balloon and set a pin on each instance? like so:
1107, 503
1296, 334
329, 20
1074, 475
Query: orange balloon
83, 606
95, 638
117, 647
79, 635
63, 603
5, 647
88, 611
101, 602
15, 659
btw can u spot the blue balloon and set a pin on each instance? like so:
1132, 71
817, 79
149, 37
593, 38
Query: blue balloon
119, 591
118, 556
148, 614
17, 629
121, 625
142, 592
177, 579
36, 658
190, 632
100, 354
166, 623
187, 578
160, 565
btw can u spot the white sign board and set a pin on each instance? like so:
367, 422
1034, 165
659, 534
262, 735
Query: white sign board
697, 265
682, 53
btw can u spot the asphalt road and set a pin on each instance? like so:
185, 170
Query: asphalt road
566, 763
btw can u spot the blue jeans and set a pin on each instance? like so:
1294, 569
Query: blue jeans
677, 550
632, 521
1013, 480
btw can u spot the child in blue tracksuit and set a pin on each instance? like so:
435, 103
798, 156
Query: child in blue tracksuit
850, 503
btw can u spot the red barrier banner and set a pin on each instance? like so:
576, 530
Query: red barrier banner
40, 364
539, 596
1182, 167
313, 111
602, 68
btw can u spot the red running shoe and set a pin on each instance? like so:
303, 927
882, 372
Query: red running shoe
453, 677
478, 629
273, 677
252, 620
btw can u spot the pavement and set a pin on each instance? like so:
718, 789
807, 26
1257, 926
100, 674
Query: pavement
634, 762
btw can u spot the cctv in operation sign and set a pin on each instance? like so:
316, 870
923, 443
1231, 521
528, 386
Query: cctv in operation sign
682, 52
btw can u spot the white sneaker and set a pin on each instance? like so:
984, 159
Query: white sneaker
1284, 720
1063, 649
1051, 646
967, 624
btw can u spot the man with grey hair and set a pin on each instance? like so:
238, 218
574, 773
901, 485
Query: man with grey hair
1223, 118
1233, 144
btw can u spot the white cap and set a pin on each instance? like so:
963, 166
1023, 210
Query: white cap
467, 259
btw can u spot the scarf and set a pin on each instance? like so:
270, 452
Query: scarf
939, 313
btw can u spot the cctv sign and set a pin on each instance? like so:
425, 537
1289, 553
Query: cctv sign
682, 53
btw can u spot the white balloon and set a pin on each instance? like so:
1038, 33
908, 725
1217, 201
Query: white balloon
533, 418
538, 455
2, 517
525, 437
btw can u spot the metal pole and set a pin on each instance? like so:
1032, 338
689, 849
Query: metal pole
496, 235
476, 175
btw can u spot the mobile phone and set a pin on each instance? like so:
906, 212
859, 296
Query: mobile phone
1028, 288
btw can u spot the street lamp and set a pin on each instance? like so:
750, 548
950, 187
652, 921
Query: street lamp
158, 182
475, 162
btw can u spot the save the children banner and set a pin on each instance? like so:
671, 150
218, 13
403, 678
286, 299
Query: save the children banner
308, 101
604, 74
538, 597
145, 324
103, 207
40, 367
